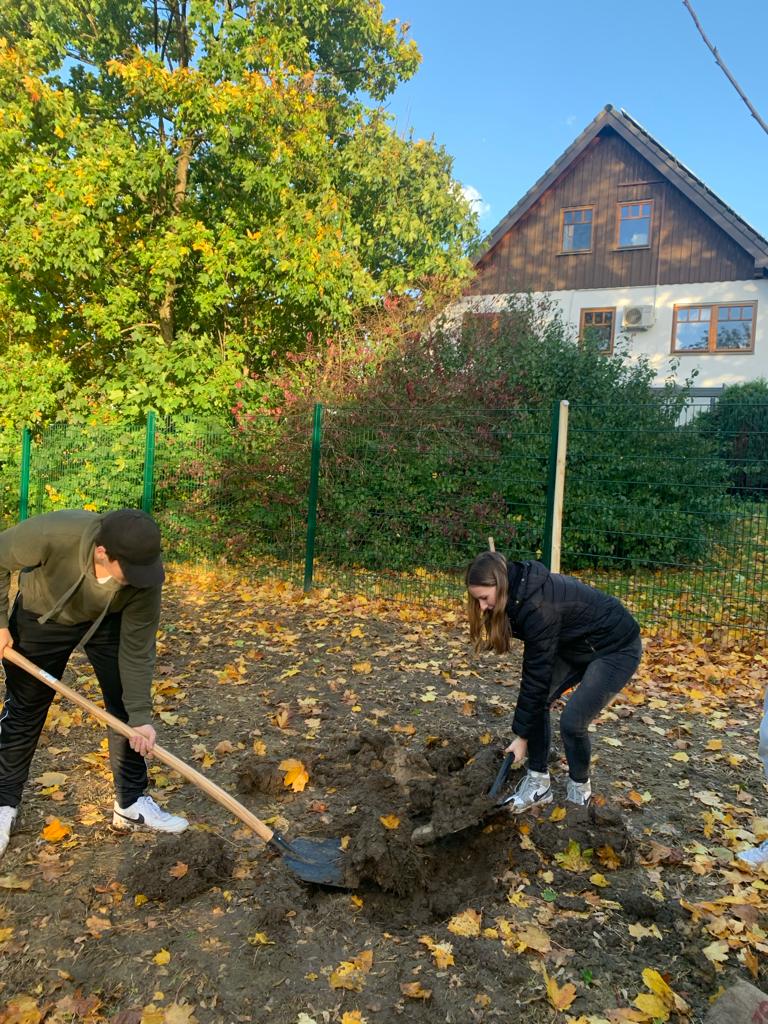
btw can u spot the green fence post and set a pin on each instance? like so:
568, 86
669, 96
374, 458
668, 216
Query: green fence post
148, 492
555, 486
314, 479
26, 462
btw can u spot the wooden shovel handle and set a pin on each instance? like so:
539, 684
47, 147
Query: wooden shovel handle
185, 770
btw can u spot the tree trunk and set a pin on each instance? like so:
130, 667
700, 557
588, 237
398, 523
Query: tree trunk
179, 194
177, 13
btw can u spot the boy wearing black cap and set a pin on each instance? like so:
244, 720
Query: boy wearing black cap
92, 581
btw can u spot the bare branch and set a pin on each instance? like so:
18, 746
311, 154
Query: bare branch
719, 61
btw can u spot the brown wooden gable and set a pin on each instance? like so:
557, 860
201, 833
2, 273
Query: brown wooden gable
602, 170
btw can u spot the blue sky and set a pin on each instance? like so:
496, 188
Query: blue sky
505, 86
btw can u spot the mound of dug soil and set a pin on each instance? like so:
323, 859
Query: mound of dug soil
177, 868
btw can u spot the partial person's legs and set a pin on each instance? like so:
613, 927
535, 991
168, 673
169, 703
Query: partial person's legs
601, 681
757, 855
129, 769
132, 809
27, 700
536, 787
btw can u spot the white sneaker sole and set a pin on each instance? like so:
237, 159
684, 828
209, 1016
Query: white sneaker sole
122, 824
512, 809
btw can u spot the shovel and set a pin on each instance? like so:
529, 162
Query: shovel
425, 834
312, 860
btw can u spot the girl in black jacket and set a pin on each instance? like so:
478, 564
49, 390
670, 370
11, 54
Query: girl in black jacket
573, 635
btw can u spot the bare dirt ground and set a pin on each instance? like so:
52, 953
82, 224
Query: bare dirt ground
333, 716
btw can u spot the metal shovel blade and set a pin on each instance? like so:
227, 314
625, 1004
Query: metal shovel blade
313, 860
425, 834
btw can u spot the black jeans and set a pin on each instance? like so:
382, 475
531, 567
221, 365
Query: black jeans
596, 684
27, 701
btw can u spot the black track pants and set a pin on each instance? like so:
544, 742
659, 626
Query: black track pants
27, 701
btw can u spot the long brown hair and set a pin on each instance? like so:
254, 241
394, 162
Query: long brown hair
489, 629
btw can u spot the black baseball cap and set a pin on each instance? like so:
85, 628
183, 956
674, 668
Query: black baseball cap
132, 538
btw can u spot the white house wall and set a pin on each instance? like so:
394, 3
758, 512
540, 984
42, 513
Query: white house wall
714, 369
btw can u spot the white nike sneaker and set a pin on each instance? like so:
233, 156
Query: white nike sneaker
579, 793
7, 819
534, 789
755, 856
145, 813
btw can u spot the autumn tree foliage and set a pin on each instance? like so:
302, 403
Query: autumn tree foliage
189, 190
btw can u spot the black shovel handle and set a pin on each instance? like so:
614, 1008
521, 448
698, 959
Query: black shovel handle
501, 777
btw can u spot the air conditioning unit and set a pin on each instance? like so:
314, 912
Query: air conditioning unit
638, 318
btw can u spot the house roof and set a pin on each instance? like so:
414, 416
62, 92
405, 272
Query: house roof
665, 163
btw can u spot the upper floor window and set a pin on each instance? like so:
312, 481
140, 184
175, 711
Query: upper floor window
576, 233
634, 227
597, 325
720, 328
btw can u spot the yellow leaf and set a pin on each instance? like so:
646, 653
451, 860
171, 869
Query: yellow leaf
415, 990
428, 697
608, 857
55, 831
532, 937
599, 880
22, 1010
465, 923
558, 813
259, 748
659, 987
260, 939
362, 667
716, 952
356, 632
139, 899
350, 974
352, 1017
5, 934
391, 821
163, 957
408, 730
639, 931
573, 859
653, 1006
13, 882
179, 1013
356, 902
714, 745
152, 1015
680, 756
441, 951
296, 775
48, 779
560, 997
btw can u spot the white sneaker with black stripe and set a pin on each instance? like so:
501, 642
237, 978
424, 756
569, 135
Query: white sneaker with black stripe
579, 793
534, 789
7, 820
145, 813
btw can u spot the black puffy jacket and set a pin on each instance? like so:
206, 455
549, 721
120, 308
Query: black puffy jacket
559, 617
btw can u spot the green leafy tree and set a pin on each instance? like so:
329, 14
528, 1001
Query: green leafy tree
211, 178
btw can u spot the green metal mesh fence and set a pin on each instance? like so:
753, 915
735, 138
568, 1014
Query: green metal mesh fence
672, 516
666, 505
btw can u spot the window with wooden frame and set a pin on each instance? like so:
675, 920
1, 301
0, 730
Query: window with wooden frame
633, 227
725, 327
596, 326
576, 229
